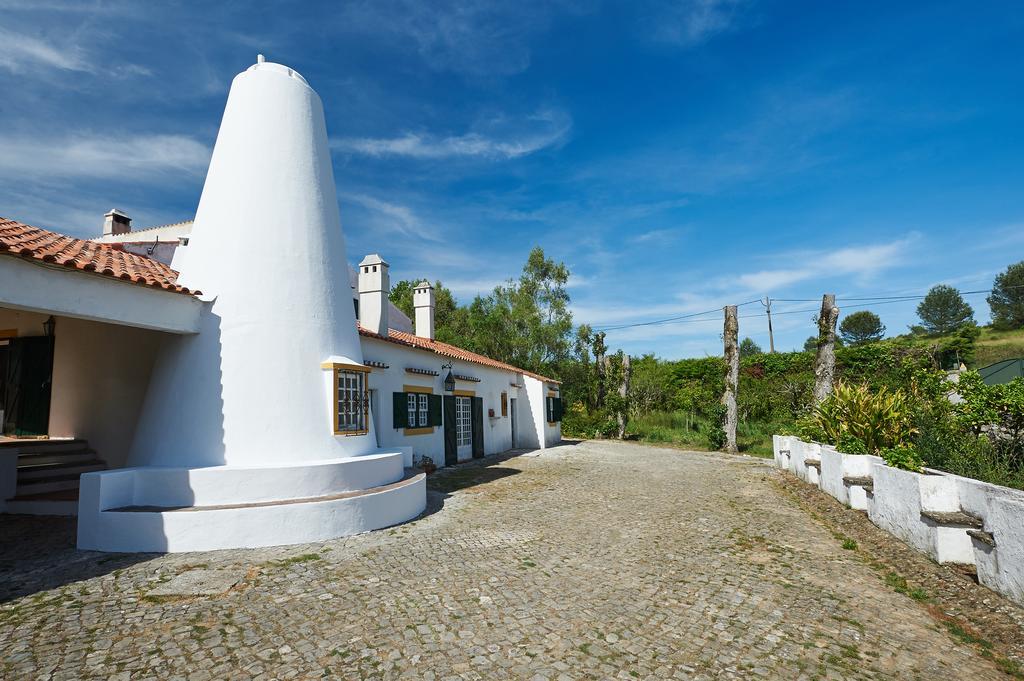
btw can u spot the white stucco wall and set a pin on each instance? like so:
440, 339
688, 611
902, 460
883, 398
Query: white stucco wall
835, 466
268, 251
497, 430
100, 375
896, 504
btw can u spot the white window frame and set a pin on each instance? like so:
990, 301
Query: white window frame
423, 400
411, 406
463, 421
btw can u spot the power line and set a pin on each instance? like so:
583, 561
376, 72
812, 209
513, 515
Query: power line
874, 300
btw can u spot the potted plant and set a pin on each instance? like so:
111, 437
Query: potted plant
427, 465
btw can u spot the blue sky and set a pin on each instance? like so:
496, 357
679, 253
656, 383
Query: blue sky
677, 156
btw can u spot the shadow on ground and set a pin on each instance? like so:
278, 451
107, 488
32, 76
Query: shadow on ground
37, 553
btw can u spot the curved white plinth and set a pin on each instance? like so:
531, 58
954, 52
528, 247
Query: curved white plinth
219, 507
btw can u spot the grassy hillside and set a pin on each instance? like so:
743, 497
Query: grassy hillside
995, 346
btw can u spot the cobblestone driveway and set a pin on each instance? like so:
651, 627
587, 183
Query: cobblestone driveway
596, 560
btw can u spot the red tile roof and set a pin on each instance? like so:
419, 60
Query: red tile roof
109, 260
447, 350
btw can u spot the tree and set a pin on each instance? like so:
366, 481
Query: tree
1007, 298
732, 377
748, 347
527, 322
450, 323
861, 327
944, 310
825, 359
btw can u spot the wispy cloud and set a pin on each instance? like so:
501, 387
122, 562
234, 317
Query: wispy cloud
130, 156
471, 37
859, 261
688, 23
539, 131
388, 217
20, 52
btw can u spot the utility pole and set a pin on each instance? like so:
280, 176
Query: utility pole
825, 360
771, 336
730, 336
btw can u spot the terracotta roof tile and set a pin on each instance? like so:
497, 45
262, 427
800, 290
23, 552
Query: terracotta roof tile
448, 350
33, 243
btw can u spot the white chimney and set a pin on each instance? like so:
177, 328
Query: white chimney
424, 302
374, 285
116, 222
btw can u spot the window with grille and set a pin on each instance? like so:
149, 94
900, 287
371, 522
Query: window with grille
351, 399
413, 407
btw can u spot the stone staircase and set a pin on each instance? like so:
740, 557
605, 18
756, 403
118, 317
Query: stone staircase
48, 473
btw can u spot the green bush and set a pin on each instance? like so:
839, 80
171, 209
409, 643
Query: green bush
904, 458
851, 444
879, 418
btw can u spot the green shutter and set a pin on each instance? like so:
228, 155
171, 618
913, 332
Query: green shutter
400, 412
558, 408
434, 410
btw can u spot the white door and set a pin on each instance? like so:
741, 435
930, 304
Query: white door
464, 427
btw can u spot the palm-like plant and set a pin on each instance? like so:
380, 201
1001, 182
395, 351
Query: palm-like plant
879, 418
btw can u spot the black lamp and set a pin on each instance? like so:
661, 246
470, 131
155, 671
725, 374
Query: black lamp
449, 380
49, 325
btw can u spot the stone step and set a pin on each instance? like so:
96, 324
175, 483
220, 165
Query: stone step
40, 471
813, 463
36, 458
983, 537
864, 481
34, 447
954, 519
63, 503
53, 483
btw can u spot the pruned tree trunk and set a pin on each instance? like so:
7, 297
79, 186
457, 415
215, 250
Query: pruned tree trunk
623, 415
825, 361
732, 376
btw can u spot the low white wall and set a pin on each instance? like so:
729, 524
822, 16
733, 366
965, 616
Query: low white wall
835, 466
782, 445
246, 527
800, 452
897, 502
1002, 568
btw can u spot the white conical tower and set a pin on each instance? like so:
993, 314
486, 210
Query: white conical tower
267, 248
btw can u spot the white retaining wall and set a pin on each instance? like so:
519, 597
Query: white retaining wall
899, 498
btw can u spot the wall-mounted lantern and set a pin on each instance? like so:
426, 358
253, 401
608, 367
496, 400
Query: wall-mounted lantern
449, 380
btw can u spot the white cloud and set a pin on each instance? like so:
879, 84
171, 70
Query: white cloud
542, 130
106, 157
20, 52
858, 261
687, 23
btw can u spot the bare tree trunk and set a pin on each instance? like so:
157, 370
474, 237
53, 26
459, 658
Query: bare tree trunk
825, 361
623, 415
732, 376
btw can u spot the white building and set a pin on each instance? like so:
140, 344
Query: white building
209, 380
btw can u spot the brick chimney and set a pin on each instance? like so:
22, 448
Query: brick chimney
116, 222
424, 301
374, 286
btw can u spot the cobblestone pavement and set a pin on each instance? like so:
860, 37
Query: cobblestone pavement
596, 560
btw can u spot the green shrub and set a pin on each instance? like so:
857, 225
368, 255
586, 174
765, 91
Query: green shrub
879, 418
904, 458
851, 444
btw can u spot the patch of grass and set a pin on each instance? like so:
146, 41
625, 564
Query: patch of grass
965, 636
302, 558
849, 544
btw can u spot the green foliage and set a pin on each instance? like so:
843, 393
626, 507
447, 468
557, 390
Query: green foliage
1007, 298
748, 347
905, 458
878, 418
847, 443
861, 327
943, 310
450, 320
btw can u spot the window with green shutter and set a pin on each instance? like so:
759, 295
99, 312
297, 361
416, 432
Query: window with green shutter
434, 415
400, 413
